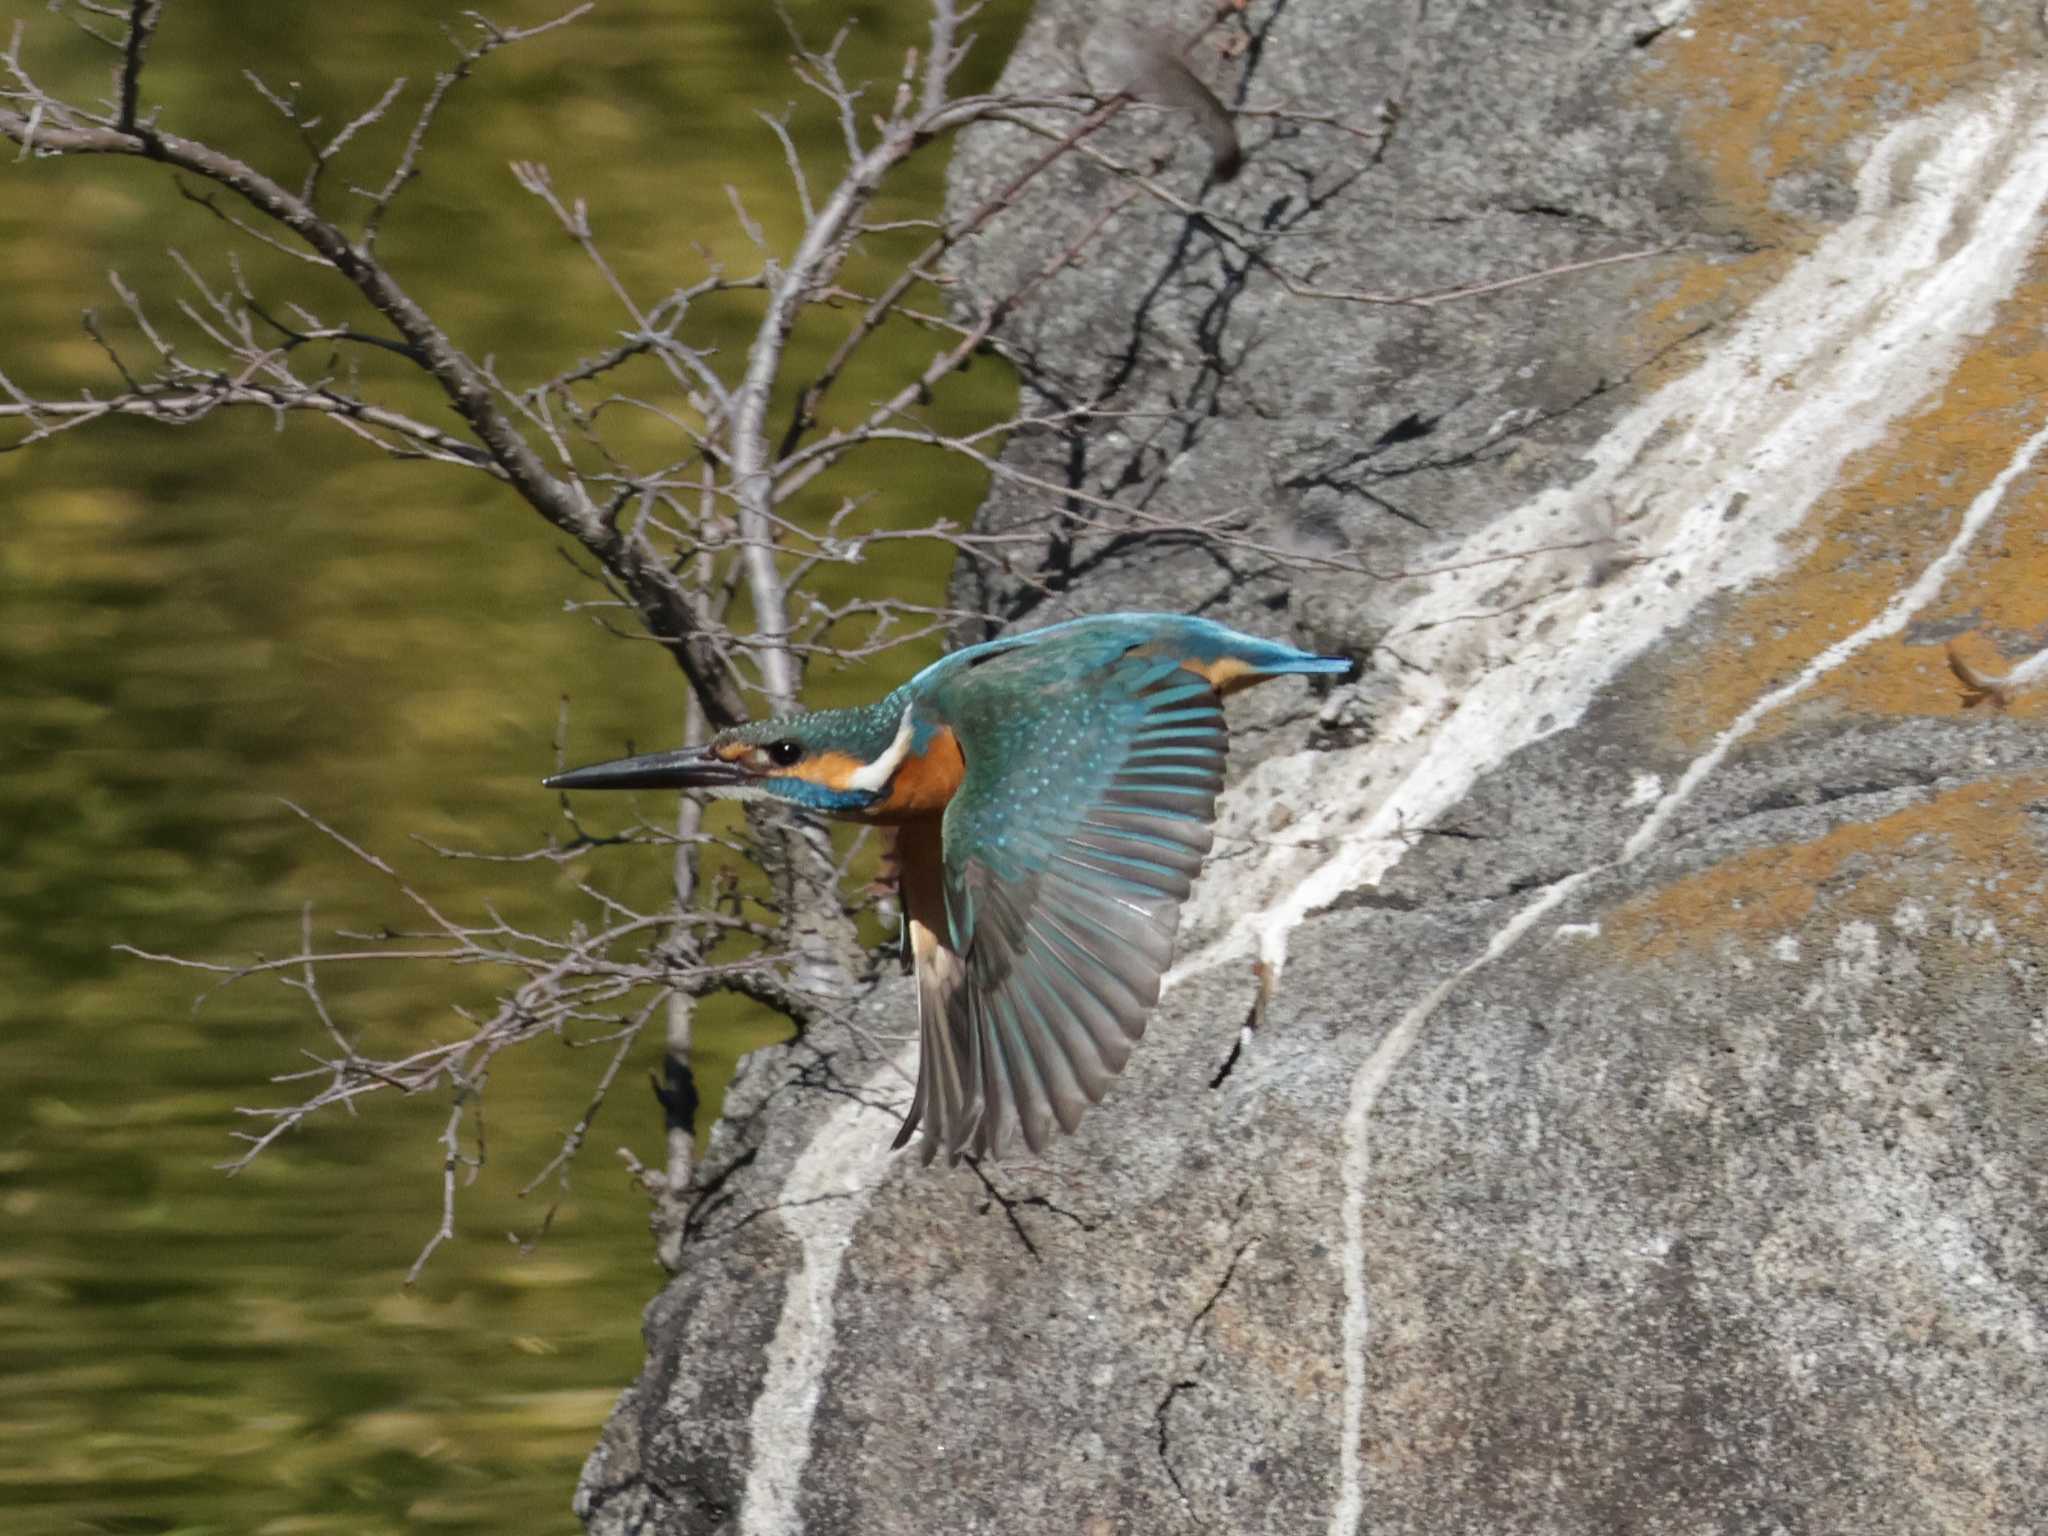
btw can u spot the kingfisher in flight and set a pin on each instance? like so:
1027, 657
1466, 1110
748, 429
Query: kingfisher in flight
1051, 795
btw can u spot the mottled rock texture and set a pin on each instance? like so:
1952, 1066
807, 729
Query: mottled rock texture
1648, 1131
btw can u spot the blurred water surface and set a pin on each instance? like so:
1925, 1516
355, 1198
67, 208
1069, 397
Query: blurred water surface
196, 624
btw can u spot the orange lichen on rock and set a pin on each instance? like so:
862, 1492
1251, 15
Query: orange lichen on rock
1771, 99
1776, 99
1683, 308
1896, 508
1971, 846
1771, 93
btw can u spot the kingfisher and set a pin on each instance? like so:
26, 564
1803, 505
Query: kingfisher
1050, 795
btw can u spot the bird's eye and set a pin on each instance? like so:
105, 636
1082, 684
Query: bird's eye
784, 754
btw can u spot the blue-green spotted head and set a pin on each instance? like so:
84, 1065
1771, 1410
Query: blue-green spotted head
839, 761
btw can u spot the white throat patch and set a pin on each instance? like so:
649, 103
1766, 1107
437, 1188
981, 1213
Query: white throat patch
875, 777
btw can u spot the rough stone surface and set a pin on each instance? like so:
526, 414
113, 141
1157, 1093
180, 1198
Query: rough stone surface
1648, 1132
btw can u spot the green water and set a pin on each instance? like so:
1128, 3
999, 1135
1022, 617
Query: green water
198, 623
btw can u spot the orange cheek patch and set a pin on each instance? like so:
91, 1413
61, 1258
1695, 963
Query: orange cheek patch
831, 769
924, 783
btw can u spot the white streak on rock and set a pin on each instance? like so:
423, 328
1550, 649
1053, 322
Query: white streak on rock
1711, 479
1665, 12
1857, 945
2029, 671
1897, 612
821, 1201
1366, 1088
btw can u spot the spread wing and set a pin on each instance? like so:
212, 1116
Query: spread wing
1043, 911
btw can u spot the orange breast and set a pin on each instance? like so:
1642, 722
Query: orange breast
925, 782
920, 852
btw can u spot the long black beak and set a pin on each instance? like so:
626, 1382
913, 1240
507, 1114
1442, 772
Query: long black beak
689, 768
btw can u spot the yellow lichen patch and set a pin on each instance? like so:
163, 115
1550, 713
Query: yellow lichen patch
1895, 510
1769, 99
1700, 296
1767, 93
1967, 846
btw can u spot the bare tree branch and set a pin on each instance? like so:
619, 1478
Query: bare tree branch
54, 129
731, 513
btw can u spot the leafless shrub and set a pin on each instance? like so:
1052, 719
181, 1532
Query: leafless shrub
679, 544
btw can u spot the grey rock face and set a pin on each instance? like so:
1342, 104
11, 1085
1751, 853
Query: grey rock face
1648, 1129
